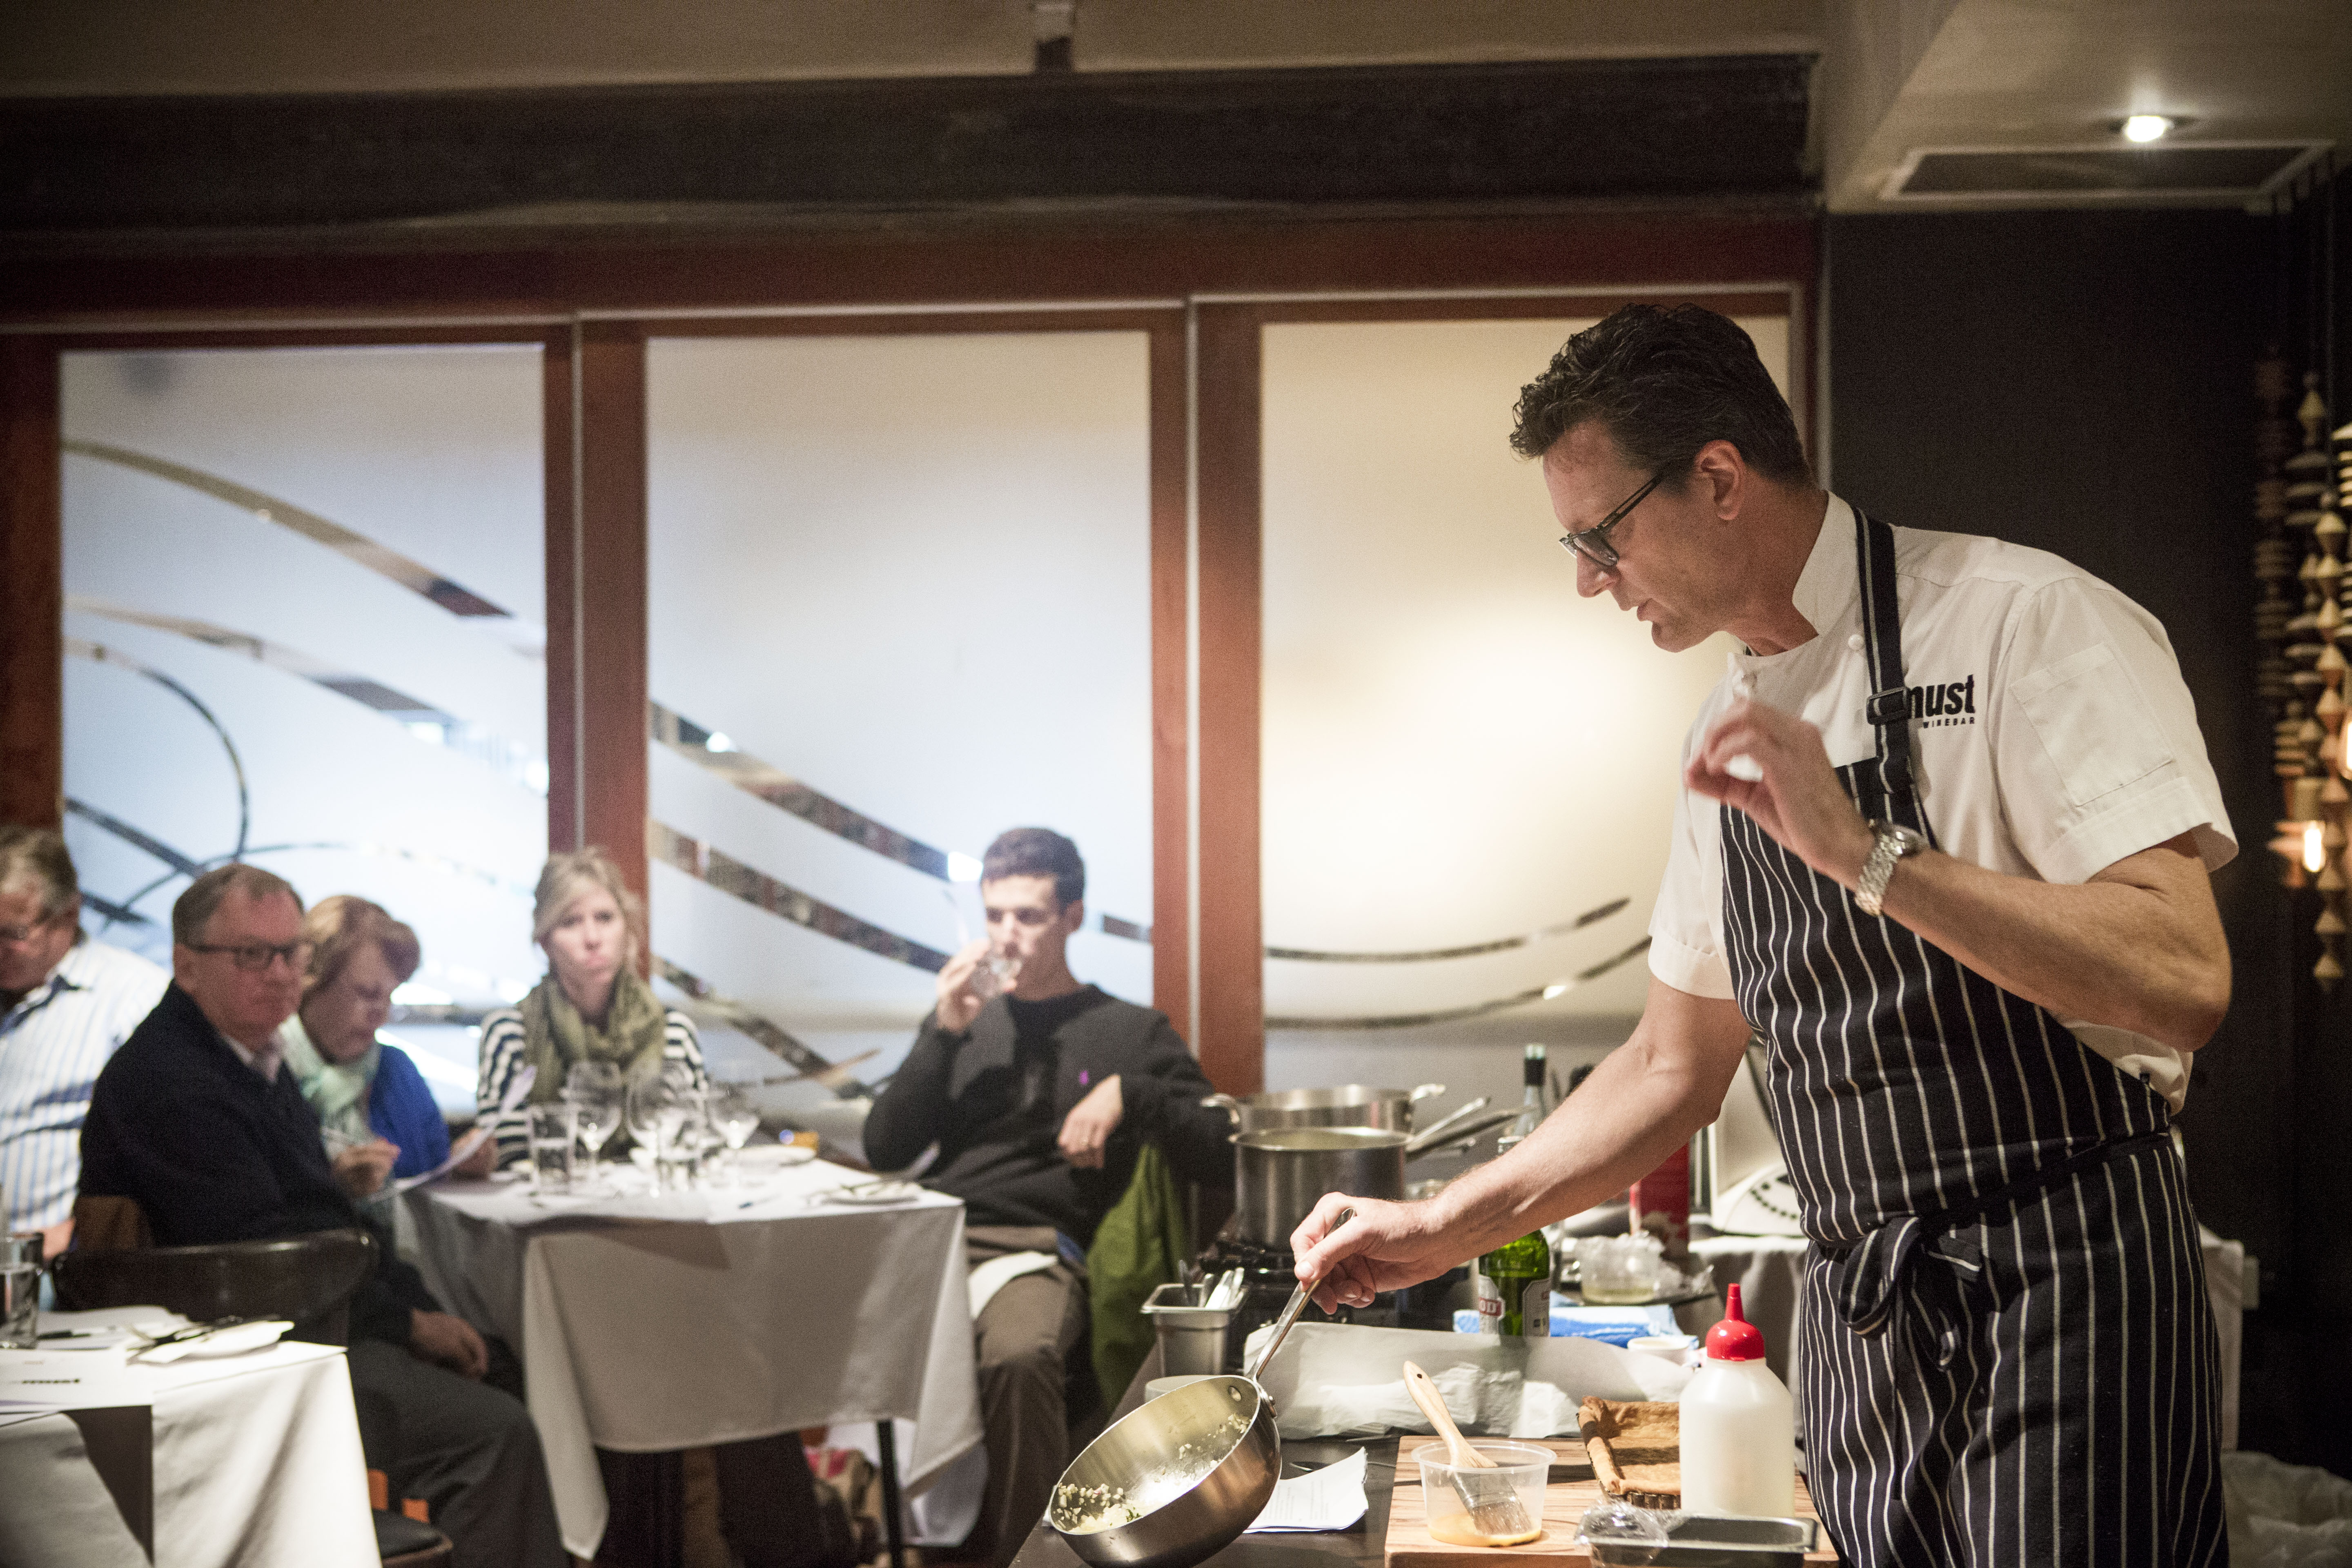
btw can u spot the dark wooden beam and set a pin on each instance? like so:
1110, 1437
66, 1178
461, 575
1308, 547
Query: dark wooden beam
876, 264
1230, 1030
596, 595
560, 436
1172, 702
32, 587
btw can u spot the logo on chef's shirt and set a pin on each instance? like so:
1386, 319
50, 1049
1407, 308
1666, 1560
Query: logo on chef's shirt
1938, 706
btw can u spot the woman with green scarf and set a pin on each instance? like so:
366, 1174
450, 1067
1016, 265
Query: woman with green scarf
593, 1006
367, 1097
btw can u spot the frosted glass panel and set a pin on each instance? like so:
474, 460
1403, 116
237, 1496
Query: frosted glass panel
912, 574
337, 556
1457, 749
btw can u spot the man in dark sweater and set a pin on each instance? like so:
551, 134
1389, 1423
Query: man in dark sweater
197, 1119
1040, 1093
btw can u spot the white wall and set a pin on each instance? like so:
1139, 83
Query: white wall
912, 572
1456, 747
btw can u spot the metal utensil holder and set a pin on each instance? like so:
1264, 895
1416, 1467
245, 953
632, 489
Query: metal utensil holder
1191, 1337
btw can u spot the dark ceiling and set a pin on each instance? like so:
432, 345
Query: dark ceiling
128, 170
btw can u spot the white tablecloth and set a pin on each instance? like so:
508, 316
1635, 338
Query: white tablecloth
651, 1324
1769, 1272
256, 1464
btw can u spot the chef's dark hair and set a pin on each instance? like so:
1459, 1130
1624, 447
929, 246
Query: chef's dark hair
1037, 852
1663, 380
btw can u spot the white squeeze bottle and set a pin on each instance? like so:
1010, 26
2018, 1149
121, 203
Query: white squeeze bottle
1739, 1427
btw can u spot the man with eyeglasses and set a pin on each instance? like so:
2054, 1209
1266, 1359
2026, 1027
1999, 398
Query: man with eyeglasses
67, 1004
1942, 849
197, 1119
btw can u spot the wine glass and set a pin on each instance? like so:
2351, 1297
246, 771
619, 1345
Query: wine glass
655, 1111
594, 1090
733, 1112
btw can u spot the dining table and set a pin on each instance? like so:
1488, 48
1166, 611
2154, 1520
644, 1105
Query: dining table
214, 1460
798, 1294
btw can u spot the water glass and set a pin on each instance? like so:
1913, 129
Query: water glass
20, 1291
553, 1130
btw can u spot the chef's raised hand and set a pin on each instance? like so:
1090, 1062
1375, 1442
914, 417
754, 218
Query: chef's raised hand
1384, 1246
1797, 800
959, 1003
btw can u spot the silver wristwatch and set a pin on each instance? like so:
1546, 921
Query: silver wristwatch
1895, 841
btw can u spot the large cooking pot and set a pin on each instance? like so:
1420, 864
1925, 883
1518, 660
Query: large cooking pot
1350, 1105
1281, 1172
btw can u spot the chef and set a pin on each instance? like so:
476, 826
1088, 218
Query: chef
1942, 846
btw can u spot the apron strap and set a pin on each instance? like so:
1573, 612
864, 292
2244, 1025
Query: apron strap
1887, 794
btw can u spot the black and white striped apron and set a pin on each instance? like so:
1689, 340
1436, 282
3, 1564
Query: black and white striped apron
2008, 1355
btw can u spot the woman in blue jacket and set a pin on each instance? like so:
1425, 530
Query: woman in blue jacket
361, 1090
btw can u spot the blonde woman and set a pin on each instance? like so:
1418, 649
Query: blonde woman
593, 1007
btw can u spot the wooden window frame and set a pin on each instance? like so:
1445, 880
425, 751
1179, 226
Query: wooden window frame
1204, 288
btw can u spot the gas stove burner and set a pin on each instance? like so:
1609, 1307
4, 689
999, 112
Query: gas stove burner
1268, 1276
1232, 1252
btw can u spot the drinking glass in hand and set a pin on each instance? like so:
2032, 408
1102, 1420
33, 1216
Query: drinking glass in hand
736, 1118
553, 1130
994, 975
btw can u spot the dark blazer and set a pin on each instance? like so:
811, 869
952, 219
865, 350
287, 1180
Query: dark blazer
213, 1152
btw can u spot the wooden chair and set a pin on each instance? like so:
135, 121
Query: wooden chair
308, 1279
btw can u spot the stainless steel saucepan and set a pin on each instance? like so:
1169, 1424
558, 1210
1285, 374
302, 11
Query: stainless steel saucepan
1176, 1482
1350, 1105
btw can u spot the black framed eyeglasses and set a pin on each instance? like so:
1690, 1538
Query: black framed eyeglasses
1592, 543
256, 956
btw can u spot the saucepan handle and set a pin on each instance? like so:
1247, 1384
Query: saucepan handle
1290, 1311
1424, 1091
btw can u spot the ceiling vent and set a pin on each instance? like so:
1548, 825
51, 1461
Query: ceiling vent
2217, 173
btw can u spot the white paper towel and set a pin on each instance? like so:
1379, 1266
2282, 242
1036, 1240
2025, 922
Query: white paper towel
1328, 1381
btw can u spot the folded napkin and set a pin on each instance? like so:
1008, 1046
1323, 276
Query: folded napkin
998, 1272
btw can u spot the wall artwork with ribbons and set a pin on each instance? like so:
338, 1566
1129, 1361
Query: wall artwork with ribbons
301, 590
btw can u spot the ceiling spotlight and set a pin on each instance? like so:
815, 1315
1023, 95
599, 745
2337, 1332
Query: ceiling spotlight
2146, 127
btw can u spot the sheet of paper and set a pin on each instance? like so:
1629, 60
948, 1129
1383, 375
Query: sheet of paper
44, 1379
463, 1150
1330, 1499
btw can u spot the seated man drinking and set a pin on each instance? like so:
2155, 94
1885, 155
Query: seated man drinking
198, 1120
1040, 1099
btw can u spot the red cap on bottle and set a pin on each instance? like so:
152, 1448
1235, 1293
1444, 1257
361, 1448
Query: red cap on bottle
1735, 1337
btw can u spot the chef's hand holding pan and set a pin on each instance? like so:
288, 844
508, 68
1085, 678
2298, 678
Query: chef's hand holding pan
1384, 1246
1773, 766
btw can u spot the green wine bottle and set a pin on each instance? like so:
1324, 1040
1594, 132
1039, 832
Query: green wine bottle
1515, 1287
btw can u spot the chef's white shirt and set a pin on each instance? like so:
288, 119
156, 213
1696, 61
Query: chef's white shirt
2055, 737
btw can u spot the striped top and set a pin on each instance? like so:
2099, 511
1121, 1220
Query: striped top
52, 1044
502, 1058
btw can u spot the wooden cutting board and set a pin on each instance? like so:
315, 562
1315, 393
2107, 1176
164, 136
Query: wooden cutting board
1409, 1545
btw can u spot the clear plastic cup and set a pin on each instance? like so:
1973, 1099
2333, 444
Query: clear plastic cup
1523, 1468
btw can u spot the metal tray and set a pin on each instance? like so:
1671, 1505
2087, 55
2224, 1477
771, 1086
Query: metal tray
1712, 1540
